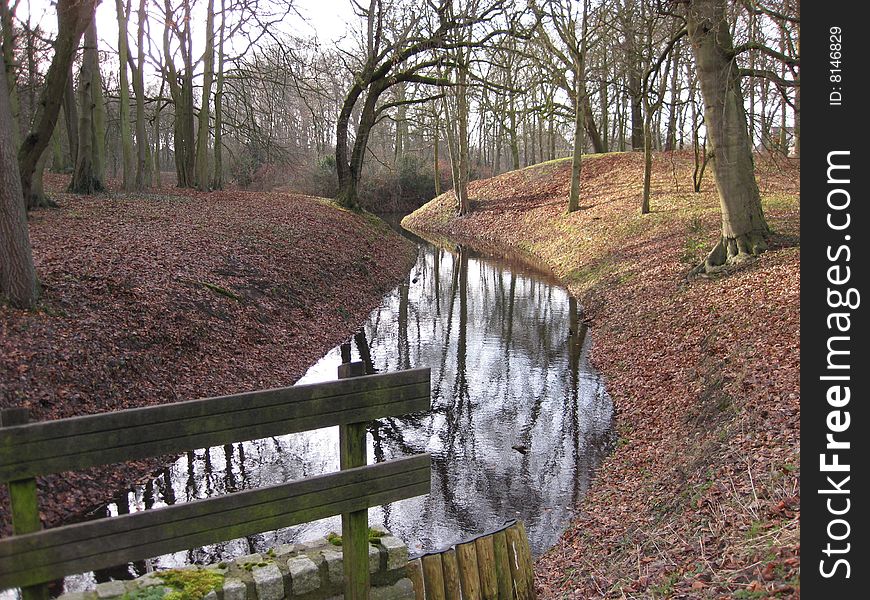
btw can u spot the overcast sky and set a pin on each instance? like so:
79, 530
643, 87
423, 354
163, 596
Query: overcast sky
327, 19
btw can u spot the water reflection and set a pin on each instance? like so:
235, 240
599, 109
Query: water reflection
519, 420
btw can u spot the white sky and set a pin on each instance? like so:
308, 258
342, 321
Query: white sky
327, 19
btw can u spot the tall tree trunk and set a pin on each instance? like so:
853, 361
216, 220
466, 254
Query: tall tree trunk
348, 177
99, 129
181, 90
156, 131
401, 127
671, 139
635, 93
71, 119
436, 121
202, 174
577, 153
7, 24
127, 175
143, 148
460, 181
18, 280
581, 102
744, 229
85, 179
647, 155
217, 182
512, 132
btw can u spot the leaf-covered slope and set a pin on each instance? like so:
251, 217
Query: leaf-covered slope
700, 498
153, 298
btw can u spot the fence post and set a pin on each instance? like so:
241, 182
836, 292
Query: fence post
23, 501
354, 525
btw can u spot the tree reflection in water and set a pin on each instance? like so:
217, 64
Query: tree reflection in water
507, 348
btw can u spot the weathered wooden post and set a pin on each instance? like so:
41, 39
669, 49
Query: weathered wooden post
354, 525
23, 501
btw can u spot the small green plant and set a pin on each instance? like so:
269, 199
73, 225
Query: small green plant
666, 587
190, 584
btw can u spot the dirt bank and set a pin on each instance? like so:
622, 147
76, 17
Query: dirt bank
701, 498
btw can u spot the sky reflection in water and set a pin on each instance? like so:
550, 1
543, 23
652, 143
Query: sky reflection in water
507, 349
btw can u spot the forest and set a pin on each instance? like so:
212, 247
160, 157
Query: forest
183, 180
502, 86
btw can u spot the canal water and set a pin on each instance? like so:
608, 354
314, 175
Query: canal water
519, 419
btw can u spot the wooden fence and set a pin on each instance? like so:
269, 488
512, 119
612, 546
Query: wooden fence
493, 566
31, 558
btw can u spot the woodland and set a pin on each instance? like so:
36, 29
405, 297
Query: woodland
504, 85
538, 125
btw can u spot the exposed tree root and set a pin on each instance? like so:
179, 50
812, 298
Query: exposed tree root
88, 185
40, 201
731, 252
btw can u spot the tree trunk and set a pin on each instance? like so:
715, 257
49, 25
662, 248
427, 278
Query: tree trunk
71, 119
635, 93
202, 175
217, 181
85, 178
592, 133
647, 155
744, 229
7, 24
18, 280
436, 159
99, 128
143, 148
348, 178
460, 181
577, 155
124, 98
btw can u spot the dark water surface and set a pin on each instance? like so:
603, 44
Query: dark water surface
507, 349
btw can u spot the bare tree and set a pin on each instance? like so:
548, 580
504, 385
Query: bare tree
744, 229
73, 17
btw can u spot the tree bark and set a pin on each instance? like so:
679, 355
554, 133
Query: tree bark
202, 175
18, 280
143, 148
124, 97
7, 24
85, 178
218, 175
744, 229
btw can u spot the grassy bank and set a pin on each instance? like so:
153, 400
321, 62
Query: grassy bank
701, 497
158, 297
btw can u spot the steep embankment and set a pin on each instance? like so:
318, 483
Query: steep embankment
700, 497
153, 298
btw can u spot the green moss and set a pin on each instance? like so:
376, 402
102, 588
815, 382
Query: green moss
152, 592
190, 584
374, 535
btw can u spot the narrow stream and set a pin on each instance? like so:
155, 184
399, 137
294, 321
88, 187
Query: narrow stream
519, 419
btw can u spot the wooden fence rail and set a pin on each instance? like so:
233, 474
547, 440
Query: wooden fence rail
30, 558
493, 566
